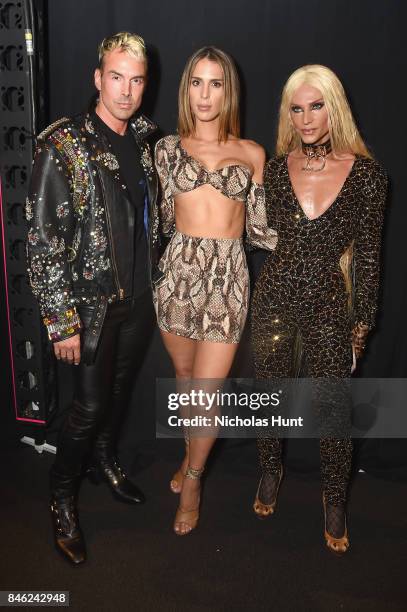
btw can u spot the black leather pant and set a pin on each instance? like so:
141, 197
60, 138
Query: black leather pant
102, 390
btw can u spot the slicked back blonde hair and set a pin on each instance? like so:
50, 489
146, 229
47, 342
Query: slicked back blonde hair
133, 44
229, 115
344, 135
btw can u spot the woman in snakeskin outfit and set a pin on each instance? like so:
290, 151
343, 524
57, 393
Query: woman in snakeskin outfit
211, 193
325, 196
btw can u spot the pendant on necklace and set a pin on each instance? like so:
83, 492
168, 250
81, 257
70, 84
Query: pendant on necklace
316, 153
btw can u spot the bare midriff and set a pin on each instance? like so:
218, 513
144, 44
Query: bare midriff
207, 213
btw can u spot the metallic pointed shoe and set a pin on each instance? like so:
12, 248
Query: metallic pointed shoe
261, 509
188, 518
109, 471
338, 546
69, 539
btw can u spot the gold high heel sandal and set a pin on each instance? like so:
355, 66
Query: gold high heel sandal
178, 478
261, 509
337, 546
188, 517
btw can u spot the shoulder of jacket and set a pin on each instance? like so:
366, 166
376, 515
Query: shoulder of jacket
54, 127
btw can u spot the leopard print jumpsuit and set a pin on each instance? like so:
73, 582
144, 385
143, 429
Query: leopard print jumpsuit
301, 294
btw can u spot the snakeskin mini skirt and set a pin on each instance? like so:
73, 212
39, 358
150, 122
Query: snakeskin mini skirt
204, 291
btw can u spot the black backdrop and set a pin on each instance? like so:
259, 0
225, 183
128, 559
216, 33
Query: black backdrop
363, 42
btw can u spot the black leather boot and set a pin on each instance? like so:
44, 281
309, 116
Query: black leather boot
107, 469
64, 481
68, 535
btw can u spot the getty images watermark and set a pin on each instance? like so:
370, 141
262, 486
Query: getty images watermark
283, 408
200, 403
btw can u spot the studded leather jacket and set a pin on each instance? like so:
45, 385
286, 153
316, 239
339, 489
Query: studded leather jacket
76, 194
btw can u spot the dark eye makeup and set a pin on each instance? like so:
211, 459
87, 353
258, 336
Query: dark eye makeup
314, 106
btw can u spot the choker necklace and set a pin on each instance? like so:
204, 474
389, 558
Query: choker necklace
317, 152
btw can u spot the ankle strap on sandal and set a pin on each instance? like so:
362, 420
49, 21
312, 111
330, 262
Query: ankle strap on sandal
194, 474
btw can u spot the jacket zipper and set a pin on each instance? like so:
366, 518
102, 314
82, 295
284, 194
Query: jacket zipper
109, 227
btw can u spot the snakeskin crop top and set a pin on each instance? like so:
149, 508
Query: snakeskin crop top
181, 173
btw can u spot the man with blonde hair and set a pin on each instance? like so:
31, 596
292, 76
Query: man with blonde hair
91, 249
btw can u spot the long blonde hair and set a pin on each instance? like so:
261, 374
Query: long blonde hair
229, 115
344, 134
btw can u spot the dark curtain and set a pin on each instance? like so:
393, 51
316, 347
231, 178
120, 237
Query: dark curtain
363, 42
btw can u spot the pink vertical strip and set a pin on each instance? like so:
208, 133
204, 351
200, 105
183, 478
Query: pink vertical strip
9, 320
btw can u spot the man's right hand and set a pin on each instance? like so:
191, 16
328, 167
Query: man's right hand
69, 350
